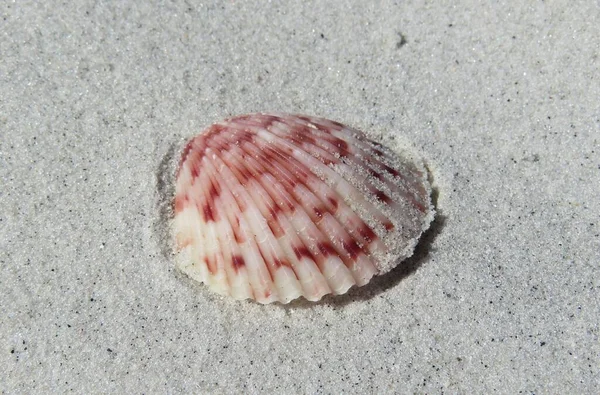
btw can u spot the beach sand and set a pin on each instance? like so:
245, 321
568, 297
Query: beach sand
97, 100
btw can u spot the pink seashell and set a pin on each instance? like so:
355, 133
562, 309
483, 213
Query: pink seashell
273, 207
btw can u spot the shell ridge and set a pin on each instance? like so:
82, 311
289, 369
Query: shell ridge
396, 205
220, 221
309, 203
221, 281
197, 269
201, 236
360, 150
263, 235
276, 168
232, 256
368, 151
326, 141
304, 139
319, 214
376, 174
375, 246
260, 277
185, 261
255, 231
285, 277
355, 151
298, 216
324, 147
293, 162
418, 198
340, 184
281, 253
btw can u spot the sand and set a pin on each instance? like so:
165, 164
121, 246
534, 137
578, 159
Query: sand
502, 296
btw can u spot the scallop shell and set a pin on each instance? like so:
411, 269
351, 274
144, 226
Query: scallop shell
272, 207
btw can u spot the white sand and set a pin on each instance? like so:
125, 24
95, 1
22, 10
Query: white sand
502, 297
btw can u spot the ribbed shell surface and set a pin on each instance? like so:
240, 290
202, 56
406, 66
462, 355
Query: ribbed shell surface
274, 206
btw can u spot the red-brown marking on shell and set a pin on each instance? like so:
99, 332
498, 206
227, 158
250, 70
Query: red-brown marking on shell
281, 262
274, 209
274, 222
243, 205
319, 211
324, 129
238, 261
210, 265
246, 175
352, 248
180, 203
418, 205
302, 251
288, 150
299, 170
301, 134
306, 119
287, 205
240, 172
243, 136
208, 213
276, 262
376, 174
367, 233
184, 154
341, 144
334, 203
264, 164
194, 168
326, 248
381, 196
214, 191
337, 125
237, 231
393, 172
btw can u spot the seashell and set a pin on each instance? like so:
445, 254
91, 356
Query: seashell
272, 207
